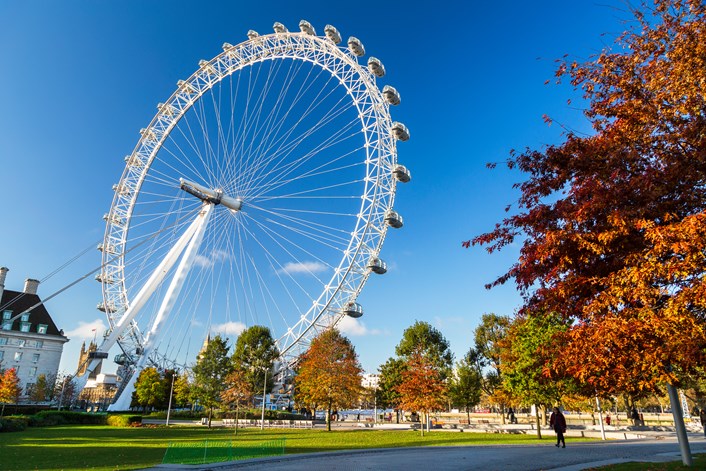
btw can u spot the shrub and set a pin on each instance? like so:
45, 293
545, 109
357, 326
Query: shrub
13, 423
124, 420
62, 417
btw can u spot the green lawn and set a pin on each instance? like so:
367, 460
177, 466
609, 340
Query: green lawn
110, 448
699, 462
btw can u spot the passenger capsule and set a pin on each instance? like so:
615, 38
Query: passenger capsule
166, 109
377, 265
356, 46
227, 46
393, 219
186, 86
400, 131
252, 34
306, 28
333, 34
391, 95
375, 67
279, 28
353, 310
103, 308
133, 161
401, 173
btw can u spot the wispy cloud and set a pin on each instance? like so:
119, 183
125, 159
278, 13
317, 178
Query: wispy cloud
207, 261
87, 330
229, 328
355, 328
292, 268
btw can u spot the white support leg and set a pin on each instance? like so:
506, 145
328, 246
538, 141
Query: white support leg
123, 402
141, 298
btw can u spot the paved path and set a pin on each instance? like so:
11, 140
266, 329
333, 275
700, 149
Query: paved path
576, 456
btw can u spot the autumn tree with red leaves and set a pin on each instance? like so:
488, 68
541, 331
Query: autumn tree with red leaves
612, 226
329, 374
422, 388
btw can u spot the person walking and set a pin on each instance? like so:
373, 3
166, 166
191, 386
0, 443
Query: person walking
702, 416
558, 422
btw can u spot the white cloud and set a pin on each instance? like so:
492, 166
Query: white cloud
207, 261
354, 327
87, 330
292, 268
229, 328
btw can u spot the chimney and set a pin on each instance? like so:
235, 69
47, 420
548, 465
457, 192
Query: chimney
3, 274
31, 286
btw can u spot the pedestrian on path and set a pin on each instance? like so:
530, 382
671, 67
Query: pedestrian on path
558, 422
702, 416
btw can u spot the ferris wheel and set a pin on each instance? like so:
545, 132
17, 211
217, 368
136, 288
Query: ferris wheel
259, 194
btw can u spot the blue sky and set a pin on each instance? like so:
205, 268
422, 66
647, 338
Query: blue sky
79, 79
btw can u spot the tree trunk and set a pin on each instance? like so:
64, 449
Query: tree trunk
539, 425
468, 415
328, 418
210, 414
421, 423
236, 420
502, 413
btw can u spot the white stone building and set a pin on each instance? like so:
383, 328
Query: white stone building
30, 341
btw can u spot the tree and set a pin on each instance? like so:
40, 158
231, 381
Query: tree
183, 392
43, 389
255, 353
485, 356
465, 388
210, 372
390, 378
329, 374
422, 388
65, 391
238, 390
612, 224
9, 388
432, 342
528, 350
150, 388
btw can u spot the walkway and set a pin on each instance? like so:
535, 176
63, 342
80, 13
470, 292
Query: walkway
576, 456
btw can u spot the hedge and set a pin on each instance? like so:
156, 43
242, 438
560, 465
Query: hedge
124, 420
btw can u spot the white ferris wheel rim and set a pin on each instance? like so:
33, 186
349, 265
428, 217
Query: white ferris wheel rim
378, 197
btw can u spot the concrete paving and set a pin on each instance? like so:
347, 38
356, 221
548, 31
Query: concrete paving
660, 446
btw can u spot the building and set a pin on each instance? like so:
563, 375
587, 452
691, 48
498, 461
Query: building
30, 341
100, 389
370, 381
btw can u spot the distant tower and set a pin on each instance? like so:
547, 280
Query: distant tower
206, 341
83, 359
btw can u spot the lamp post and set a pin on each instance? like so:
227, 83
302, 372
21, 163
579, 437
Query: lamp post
171, 393
264, 393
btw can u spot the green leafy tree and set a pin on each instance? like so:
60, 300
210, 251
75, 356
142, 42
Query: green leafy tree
528, 350
210, 371
9, 388
183, 391
254, 354
65, 391
422, 388
485, 355
150, 389
43, 389
329, 374
433, 344
387, 395
465, 389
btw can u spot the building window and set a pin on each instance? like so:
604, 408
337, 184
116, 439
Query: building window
24, 326
42, 329
33, 371
18, 356
21, 342
39, 343
6, 315
24, 317
3, 340
6, 325
35, 357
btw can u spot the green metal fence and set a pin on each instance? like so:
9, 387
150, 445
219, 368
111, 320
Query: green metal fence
213, 451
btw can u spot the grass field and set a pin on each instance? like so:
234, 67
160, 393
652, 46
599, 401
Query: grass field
699, 462
111, 448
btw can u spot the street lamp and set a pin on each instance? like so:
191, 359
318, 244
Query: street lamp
171, 393
264, 393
